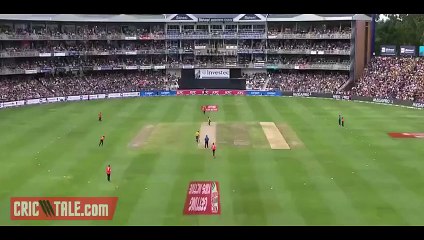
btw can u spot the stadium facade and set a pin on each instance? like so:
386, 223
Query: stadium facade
172, 42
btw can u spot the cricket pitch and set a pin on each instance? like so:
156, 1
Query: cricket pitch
275, 138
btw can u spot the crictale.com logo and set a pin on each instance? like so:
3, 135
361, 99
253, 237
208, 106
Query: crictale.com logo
62, 208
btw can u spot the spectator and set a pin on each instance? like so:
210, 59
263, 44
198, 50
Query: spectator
392, 78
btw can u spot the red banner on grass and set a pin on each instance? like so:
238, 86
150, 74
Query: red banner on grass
406, 135
210, 92
202, 198
210, 108
62, 208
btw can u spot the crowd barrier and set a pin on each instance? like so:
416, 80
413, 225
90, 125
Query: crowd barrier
156, 93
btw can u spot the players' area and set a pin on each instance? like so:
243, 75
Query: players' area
265, 135
331, 175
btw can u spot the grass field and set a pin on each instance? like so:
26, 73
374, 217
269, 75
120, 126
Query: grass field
355, 175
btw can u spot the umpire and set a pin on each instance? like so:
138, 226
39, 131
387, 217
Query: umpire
206, 141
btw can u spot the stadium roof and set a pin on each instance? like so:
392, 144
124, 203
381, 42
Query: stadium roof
183, 17
84, 17
317, 17
216, 15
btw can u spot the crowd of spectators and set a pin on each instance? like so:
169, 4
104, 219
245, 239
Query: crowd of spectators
308, 44
385, 77
299, 81
117, 47
316, 82
256, 81
81, 30
99, 46
308, 29
299, 60
22, 87
102, 30
214, 31
392, 78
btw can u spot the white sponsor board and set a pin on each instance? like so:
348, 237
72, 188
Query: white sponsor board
131, 94
55, 99
92, 97
45, 54
30, 71
84, 97
418, 105
1, 105
33, 101
101, 96
13, 104
382, 100
145, 67
130, 38
199, 47
231, 47
131, 53
212, 73
74, 98
114, 95
313, 52
159, 67
9, 104
52, 99
43, 100
59, 54
301, 94
130, 67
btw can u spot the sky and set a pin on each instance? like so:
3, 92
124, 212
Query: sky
383, 17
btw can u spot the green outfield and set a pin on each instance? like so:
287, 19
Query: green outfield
355, 175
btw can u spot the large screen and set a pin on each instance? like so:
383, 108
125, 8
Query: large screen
408, 51
421, 51
191, 79
388, 50
212, 73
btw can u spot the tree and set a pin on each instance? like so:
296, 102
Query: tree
400, 29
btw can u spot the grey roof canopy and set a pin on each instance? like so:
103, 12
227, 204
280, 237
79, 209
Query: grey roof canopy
183, 17
316, 17
84, 17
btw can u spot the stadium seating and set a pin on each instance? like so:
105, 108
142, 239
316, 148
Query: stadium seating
393, 78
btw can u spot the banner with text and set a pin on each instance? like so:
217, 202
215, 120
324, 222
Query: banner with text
388, 50
203, 198
263, 93
408, 51
210, 108
210, 92
62, 208
212, 73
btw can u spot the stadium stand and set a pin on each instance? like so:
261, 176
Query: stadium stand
78, 54
393, 78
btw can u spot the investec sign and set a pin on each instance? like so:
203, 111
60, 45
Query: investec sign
212, 73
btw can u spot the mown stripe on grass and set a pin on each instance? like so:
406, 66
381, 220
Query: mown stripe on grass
120, 159
334, 197
85, 155
280, 203
373, 205
161, 183
249, 203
